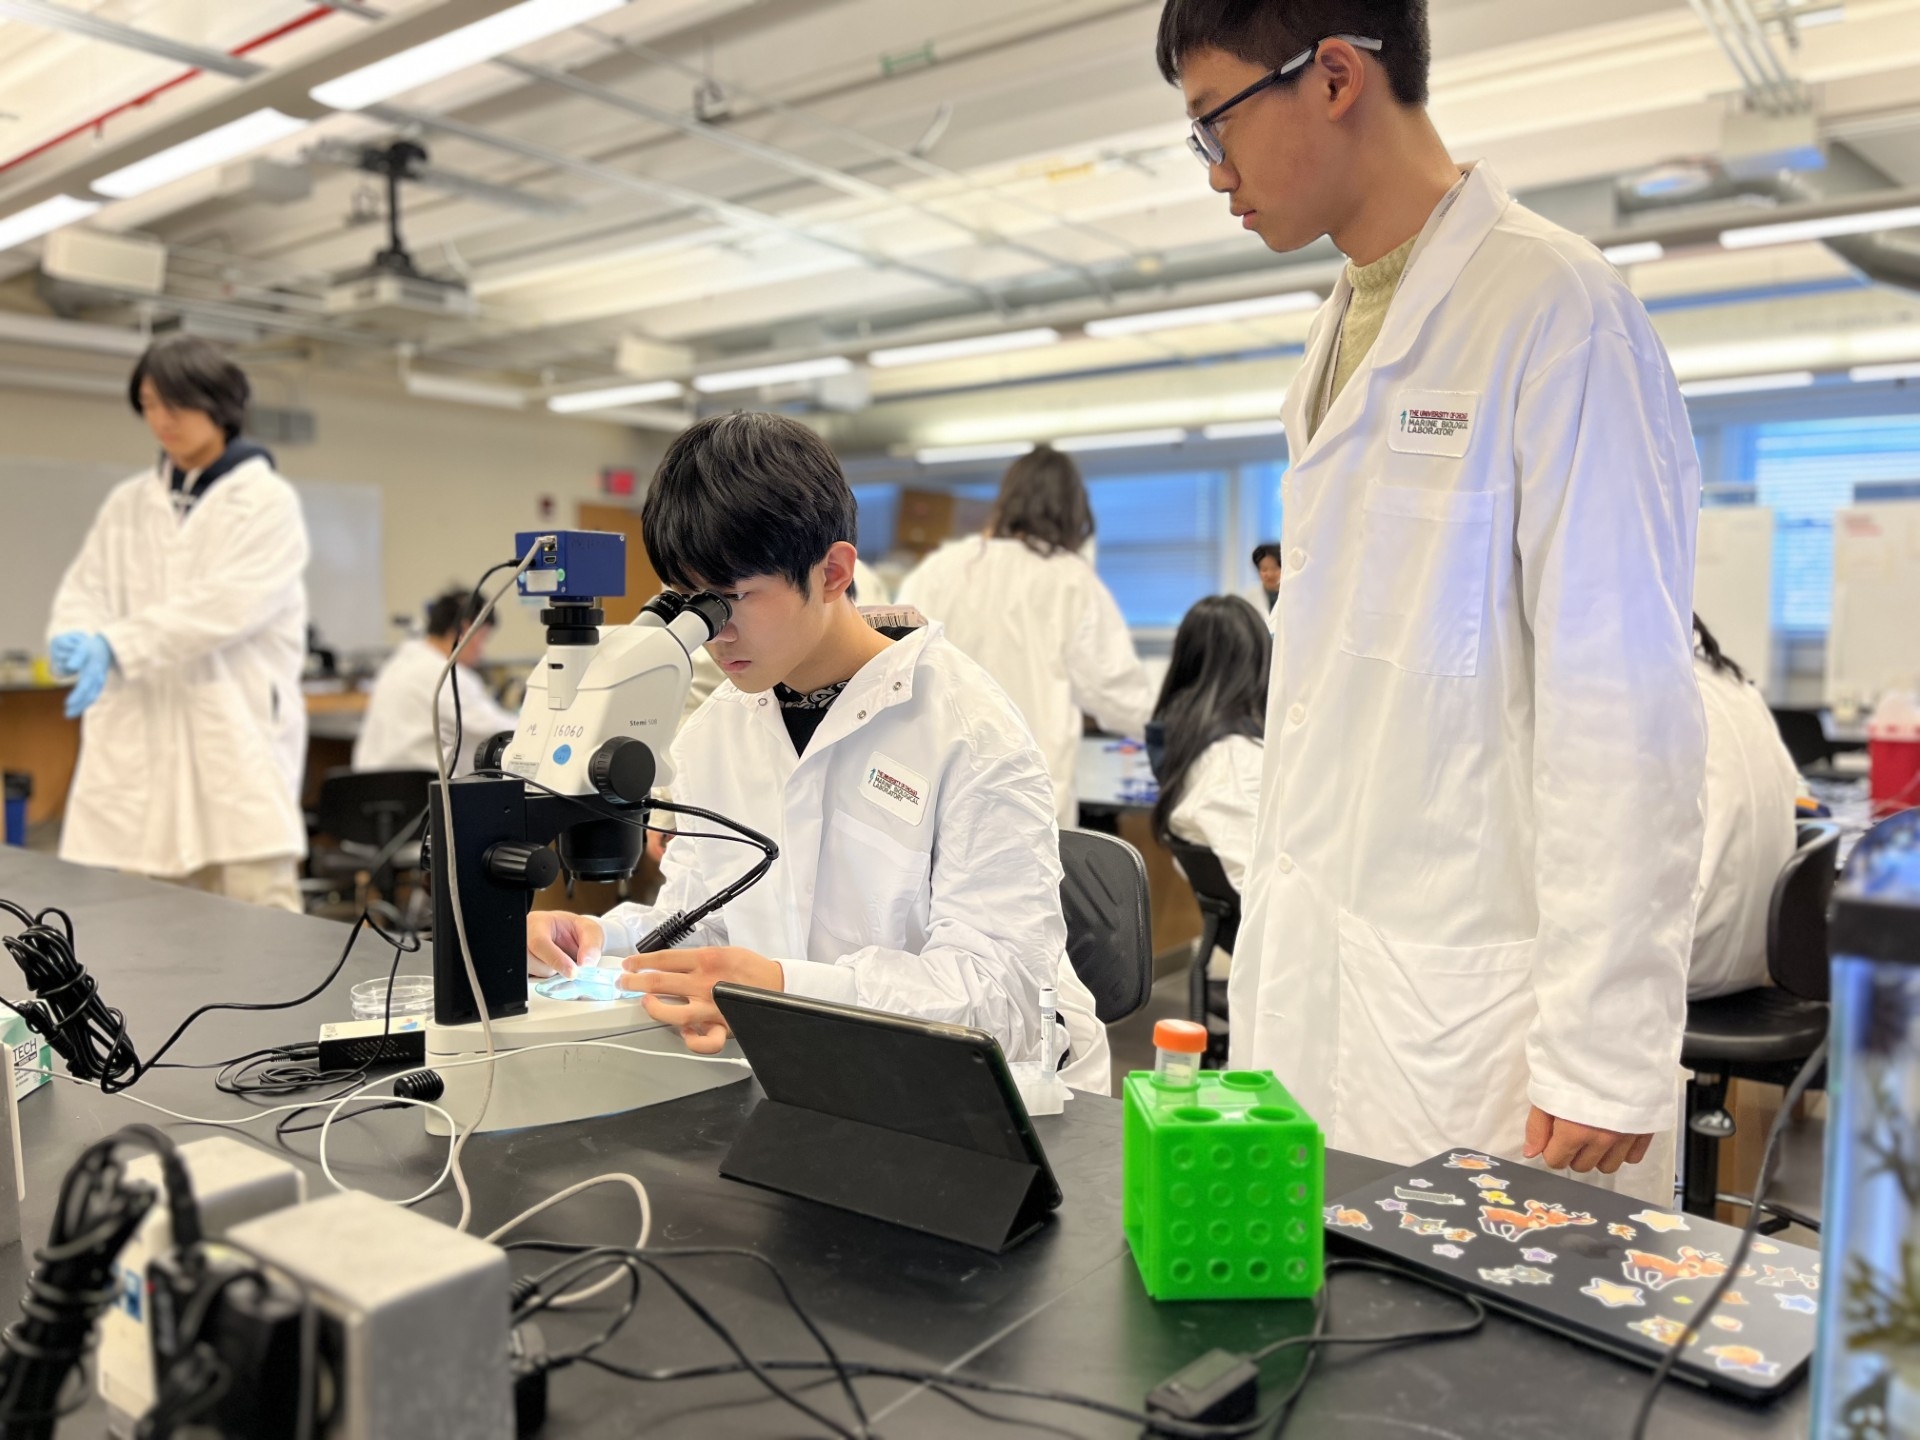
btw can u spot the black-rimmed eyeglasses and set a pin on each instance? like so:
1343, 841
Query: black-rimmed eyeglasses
1201, 138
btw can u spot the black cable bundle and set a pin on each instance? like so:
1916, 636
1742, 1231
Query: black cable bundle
67, 1011
74, 1281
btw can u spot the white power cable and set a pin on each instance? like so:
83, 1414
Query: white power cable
575, 1297
451, 863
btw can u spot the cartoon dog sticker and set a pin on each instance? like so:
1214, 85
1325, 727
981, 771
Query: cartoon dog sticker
1743, 1358
1345, 1219
1462, 1160
1434, 1228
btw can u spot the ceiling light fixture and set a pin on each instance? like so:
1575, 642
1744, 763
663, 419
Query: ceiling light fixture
953, 454
963, 349
1243, 429
1292, 302
1826, 227
425, 385
213, 147
1748, 384
507, 30
642, 394
1633, 252
37, 220
1867, 374
724, 380
1122, 439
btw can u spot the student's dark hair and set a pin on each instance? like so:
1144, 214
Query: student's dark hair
742, 495
1268, 33
194, 374
451, 611
1216, 686
1043, 501
1708, 649
1267, 550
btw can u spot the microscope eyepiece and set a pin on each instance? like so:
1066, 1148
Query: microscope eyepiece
711, 608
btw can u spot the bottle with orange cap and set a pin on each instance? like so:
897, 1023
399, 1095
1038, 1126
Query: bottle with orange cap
1178, 1047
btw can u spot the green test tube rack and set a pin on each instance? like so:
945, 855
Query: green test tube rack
1224, 1180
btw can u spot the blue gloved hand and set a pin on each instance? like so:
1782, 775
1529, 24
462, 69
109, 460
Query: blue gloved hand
90, 673
68, 651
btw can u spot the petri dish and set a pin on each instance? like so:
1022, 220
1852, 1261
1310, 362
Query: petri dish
412, 995
592, 983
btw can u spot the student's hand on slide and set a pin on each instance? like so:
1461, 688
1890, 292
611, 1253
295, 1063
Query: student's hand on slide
558, 943
1566, 1144
678, 985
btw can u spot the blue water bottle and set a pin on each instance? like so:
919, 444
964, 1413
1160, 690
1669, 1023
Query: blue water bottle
19, 790
1867, 1368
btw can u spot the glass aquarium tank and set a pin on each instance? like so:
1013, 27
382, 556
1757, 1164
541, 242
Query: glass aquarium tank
1867, 1368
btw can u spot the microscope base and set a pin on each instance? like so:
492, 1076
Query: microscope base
550, 1087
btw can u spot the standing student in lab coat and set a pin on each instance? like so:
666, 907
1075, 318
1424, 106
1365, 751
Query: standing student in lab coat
1025, 602
1749, 799
398, 732
1470, 904
919, 868
1264, 591
1212, 713
183, 620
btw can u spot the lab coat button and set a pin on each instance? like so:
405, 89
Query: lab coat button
763, 702
863, 715
1284, 864
1296, 558
1297, 714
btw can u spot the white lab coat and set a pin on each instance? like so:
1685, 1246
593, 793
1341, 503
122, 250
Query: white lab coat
1050, 632
919, 867
1479, 832
1218, 803
869, 588
193, 754
1749, 803
397, 733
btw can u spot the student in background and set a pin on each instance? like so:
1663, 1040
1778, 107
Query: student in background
398, 731
1212, 713
1748, 800
183, 621
1025, 603
1266, 559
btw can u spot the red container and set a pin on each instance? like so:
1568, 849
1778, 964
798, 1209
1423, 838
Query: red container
1896, 775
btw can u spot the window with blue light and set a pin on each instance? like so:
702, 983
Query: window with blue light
1159, 541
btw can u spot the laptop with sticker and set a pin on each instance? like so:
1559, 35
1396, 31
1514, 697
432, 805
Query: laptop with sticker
1598, 1267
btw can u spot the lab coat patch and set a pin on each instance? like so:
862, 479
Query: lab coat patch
895, 788
1433, 422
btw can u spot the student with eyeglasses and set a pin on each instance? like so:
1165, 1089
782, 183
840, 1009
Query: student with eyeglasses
1470, 903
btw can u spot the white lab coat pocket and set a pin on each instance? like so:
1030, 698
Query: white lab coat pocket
1429, 1042
1422, 584
872, 890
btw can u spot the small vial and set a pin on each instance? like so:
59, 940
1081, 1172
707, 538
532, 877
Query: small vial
1178, 1046
1049, 1030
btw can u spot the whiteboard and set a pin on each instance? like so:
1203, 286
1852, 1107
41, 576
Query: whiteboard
1874, 642
1733, 585
47, 507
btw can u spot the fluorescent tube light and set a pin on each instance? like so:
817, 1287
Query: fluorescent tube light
1634, 252
37, 220
1748, 384
1122, 439
759, 375
428, 386
1288, 303
1827, 227
509, 29
952, 454
641, 394
1242, 429
213, 147
1904, 370
961, 349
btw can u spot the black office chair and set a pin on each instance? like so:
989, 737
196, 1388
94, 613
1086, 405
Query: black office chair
367, 814
1219, 906
1103, 892
1804, 736
1766, 1033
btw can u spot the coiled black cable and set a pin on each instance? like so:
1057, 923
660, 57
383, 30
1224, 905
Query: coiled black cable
74, 1278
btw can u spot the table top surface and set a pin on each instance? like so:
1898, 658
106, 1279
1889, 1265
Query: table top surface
1065, 1310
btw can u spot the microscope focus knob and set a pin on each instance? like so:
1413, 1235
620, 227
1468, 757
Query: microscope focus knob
622, 770
522, 864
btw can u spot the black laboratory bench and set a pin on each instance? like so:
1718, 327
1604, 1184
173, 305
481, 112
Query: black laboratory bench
1065, 1310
